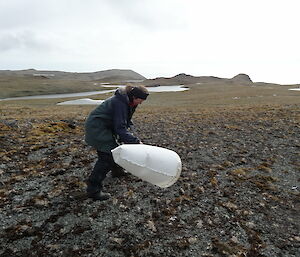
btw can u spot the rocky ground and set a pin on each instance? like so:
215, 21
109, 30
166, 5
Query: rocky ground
238, 194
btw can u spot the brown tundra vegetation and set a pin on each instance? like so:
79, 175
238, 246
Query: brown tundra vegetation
238, 193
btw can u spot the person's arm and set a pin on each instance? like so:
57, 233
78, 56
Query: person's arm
120, 116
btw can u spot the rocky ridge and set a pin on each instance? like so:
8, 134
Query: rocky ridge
184, 79
242, 78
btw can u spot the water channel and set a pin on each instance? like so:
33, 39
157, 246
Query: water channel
175, 88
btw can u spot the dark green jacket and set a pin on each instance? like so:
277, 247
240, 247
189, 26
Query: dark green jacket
108, 124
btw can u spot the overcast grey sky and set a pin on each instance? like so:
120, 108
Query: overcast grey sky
154, 37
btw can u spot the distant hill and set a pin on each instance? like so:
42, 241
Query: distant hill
242, 78
184, 79
114, 75
15, 83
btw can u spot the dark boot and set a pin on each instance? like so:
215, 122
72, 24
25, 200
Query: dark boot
100, 196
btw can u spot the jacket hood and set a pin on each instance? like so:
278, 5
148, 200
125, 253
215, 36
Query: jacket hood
121, 94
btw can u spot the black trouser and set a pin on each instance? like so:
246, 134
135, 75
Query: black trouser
104, 164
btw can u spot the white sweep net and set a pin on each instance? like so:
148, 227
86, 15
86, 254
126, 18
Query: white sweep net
156, 165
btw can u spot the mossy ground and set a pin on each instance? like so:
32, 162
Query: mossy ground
238, 194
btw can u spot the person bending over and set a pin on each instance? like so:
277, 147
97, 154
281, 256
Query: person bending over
107, 127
